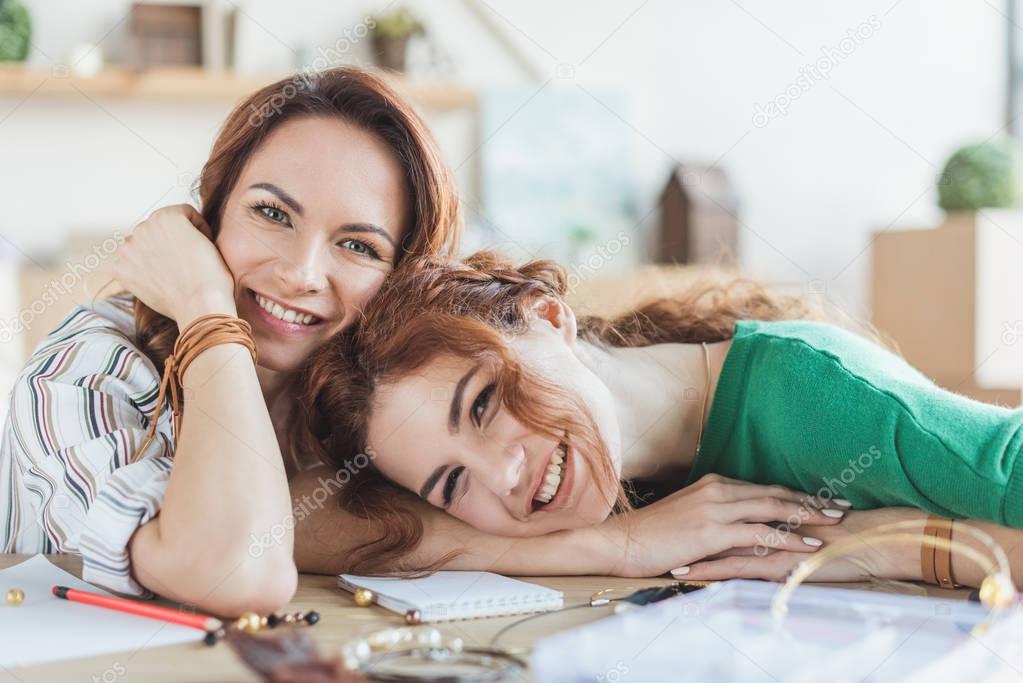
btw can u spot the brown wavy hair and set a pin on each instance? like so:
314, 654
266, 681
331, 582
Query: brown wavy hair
354, 96
468, 310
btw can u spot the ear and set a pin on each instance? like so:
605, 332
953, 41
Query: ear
558, 315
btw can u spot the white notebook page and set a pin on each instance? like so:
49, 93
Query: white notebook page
449, 595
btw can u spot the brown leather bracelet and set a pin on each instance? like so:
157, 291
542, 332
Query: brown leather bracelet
927, 554
936, 559
202, 333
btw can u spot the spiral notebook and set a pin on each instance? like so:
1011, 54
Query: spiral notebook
450, 595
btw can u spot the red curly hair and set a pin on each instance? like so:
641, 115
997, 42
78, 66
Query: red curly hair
468, 309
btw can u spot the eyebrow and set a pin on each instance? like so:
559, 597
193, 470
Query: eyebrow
455, 414
281, 194
454, 417
431, 481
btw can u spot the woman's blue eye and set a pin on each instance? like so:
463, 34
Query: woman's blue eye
273, 213
359, 247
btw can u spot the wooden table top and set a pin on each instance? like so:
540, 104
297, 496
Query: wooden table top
340, 621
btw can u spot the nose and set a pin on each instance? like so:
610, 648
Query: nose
300, 270
500, 471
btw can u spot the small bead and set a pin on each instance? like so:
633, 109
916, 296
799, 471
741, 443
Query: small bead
273, 620
413, 617
312, 617
248, 622
289, 618
364, 597
15, 596
997, 592
210, 638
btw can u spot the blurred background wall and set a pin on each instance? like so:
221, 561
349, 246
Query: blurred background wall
831, 121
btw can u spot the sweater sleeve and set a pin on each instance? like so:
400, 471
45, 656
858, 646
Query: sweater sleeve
79, 412
833, 414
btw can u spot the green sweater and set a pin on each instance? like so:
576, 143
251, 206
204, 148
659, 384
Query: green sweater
823, 410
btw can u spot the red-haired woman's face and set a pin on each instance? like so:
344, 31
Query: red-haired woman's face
441, 433
310, 231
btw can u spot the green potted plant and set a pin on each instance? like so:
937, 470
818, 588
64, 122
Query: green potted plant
391, 32
15, 31
985, 175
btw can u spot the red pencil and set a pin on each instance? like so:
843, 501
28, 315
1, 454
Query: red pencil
142, 609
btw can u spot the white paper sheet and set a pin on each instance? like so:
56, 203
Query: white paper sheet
46, 629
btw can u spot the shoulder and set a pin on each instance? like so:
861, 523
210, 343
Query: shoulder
814, 345
93, 347
112, 318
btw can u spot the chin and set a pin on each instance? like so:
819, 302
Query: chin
278, 359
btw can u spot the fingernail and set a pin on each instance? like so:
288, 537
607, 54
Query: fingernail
843, 502
681, 571
835, 514
810, 540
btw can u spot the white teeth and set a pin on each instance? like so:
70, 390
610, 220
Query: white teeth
552, 478
286, 314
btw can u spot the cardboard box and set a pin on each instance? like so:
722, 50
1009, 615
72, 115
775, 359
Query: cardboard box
952, 298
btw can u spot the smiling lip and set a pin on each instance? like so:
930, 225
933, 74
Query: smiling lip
262, 316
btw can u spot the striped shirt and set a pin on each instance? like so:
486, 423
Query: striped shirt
78, 412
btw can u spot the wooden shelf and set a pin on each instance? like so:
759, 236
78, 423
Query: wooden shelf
192, 85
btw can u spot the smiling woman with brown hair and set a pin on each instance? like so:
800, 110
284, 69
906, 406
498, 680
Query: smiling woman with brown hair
305, 211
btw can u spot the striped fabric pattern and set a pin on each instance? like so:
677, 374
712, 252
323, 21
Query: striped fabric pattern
77, 414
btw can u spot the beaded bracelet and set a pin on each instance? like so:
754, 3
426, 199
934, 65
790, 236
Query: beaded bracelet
250, 622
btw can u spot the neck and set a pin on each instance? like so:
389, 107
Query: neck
659, 394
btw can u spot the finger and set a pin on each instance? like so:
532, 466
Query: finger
723, 489
743, 552
775, 567
741, 490
196, 219
745, 490
761, 538
770, 509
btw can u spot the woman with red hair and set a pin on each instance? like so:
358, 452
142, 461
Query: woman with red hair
473, 386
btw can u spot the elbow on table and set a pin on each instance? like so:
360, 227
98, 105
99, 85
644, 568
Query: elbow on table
260, 587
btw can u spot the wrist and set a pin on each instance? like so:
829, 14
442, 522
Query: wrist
606, 546
909, 559
203, 304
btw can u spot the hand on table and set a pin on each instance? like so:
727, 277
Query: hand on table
899, 560
716, 515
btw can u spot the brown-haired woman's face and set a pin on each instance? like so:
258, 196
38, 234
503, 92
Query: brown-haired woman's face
310, 231
442, 433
